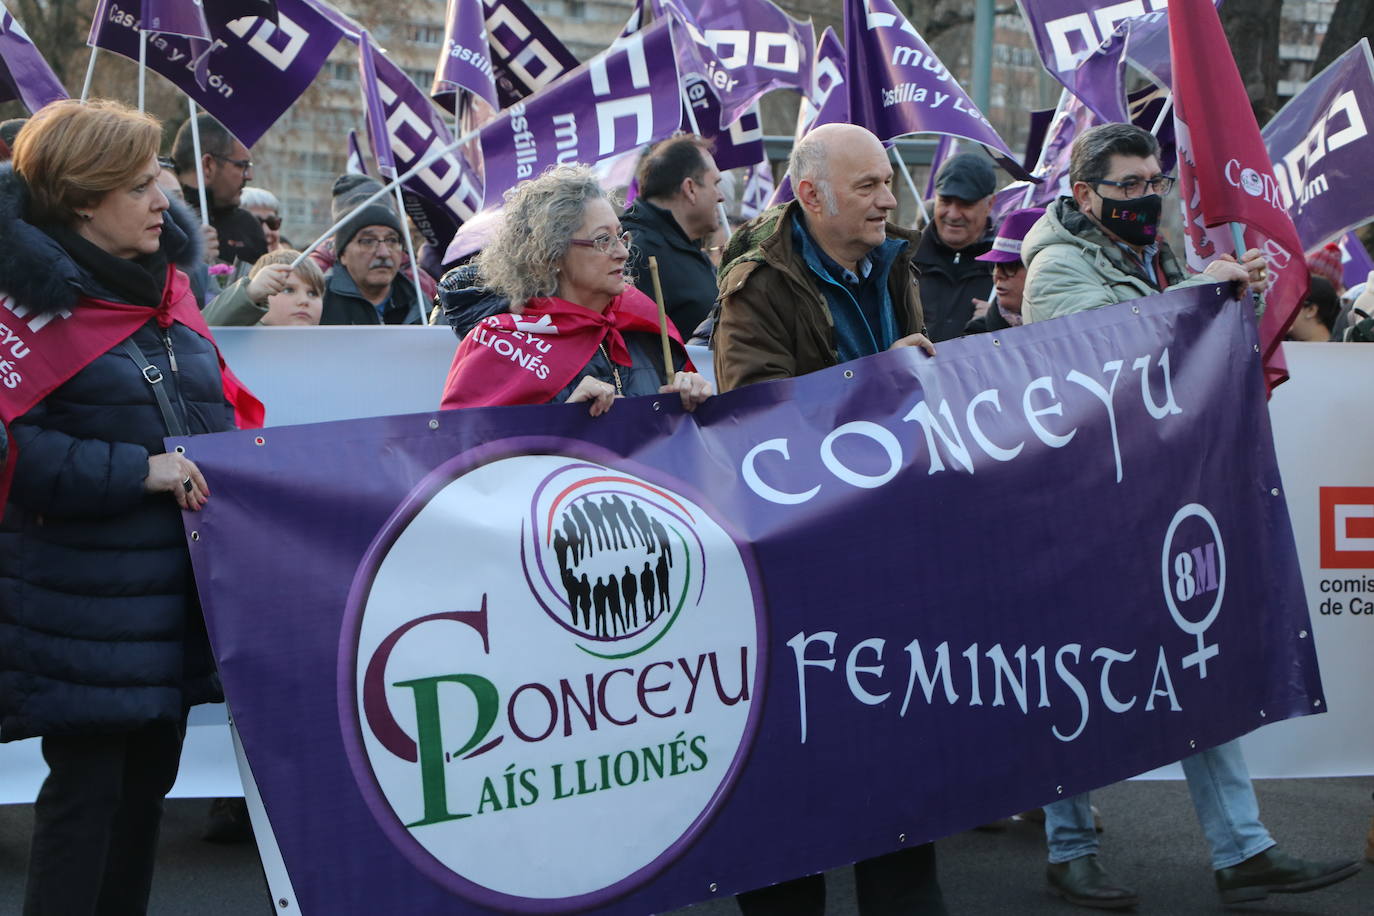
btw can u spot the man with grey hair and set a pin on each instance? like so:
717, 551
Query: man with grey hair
823, 279
954, 283
1101, 246
813, 283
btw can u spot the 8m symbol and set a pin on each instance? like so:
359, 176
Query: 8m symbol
1195, 571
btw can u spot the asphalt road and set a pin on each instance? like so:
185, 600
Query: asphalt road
1152, 842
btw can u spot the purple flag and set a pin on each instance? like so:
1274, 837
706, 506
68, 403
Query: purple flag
1035, 138
1356, 264
758, 191
1321, 148
607, 106
898, 86
743, 49
175, 17
525, 54
462, 739
739, 144
356, 164
1069, 33
403, 128
24, 74
465, 58
256, 71
947, 147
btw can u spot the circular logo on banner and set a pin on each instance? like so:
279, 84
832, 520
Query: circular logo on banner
1252, 183
555, 665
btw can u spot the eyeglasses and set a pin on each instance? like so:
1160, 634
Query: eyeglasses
1135, 187
604, 243
243, 164
272, 222
368, 243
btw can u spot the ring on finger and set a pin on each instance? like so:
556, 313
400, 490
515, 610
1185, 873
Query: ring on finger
186, 484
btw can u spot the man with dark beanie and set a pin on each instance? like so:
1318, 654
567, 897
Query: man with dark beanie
360, 288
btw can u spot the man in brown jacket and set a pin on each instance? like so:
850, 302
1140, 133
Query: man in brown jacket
823, 279
818, 282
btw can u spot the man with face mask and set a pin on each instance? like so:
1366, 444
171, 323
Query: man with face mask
1101, 245
1097, 248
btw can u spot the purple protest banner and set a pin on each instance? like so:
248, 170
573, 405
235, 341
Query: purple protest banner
471, 714
898, 86
255, 71
24, 74
525, 54
1040, 121
465, 58
1321, 149
758, 190
740, 144
405, 127
605, 107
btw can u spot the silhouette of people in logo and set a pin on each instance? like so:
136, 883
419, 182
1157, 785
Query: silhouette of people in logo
606, 593
629, 585
646, 586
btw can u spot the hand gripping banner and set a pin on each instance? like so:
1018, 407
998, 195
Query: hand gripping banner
518, 659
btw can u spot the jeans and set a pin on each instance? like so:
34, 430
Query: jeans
1222, 795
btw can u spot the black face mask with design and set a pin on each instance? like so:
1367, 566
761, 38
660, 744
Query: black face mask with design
1134, 221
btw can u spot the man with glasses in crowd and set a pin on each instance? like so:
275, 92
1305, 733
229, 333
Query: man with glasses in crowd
1099, 247
360, 288
224, 168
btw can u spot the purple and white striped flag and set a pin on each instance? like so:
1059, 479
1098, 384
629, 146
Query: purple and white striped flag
465, 59
24, 74
525, 54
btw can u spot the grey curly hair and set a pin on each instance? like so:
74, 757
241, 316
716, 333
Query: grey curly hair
541, 216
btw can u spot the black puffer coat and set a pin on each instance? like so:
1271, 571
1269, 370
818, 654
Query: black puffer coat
100, 628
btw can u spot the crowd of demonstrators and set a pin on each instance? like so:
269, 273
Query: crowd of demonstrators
103, 665
823, 280
559, 260
676, 210
1008, 273
1096, 248
954, 282
224, 168
273, 294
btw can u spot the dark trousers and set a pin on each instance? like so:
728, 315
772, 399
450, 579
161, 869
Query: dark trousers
901, 883
96, 821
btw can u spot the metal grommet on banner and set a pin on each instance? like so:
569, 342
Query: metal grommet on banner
1256, 348
713, 887
1192, 743
180, 449
1059, 790
1135, 310
283, 903
1274, 491
1316, 702
195, 535
996, 342
849, 373
658, 405
901, 838
259, 441
433, 424
1302, 634
1262, 714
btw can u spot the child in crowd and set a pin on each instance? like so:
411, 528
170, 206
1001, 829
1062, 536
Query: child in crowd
272, 294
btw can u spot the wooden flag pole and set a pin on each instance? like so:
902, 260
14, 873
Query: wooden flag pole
662, 322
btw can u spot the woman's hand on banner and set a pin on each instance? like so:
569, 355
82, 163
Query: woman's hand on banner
914, 340
693, 388
174, 473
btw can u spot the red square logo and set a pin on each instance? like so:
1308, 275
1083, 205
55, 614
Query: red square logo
1347, 527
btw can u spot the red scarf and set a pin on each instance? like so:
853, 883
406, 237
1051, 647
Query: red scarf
41, 351
528, 358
